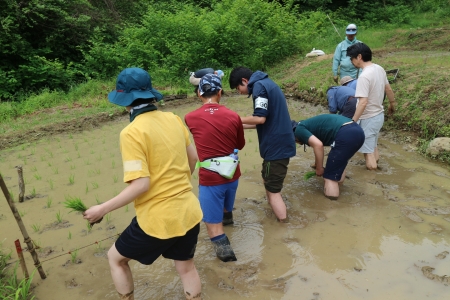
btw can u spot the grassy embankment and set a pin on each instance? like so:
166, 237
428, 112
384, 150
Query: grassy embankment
421, 53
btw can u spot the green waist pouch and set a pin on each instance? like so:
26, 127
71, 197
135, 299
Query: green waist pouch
224, 165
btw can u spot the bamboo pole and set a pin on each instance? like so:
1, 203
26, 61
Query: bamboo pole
21, 183
23, 265
334, 26
26, 237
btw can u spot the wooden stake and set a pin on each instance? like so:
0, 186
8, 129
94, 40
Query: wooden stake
21, 183
27, 239
21, 259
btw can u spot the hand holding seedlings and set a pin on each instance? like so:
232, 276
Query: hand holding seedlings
77, 205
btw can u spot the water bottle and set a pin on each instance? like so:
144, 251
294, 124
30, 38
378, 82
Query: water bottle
234, 155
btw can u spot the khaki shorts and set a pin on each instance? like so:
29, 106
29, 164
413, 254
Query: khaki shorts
273, 173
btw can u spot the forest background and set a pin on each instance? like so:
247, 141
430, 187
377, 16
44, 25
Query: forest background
69, 52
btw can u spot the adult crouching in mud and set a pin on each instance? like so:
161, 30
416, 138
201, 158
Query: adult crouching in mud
272, 122
158, 160
217, 131
345, 138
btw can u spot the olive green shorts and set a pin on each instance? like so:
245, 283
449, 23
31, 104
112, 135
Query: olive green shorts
273, 173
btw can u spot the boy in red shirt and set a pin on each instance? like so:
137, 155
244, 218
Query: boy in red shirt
217, 131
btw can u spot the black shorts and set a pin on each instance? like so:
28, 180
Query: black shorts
134, 243
273, 173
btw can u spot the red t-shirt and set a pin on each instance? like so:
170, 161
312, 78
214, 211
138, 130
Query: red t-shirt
217, 131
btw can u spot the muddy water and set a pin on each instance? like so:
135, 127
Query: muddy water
370, 244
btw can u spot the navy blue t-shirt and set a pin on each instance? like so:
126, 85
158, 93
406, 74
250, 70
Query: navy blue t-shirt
276, 138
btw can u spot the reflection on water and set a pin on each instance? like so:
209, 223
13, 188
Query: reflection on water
370, 244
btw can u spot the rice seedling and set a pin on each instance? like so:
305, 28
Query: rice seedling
49, 202
58, 217
75, 204
195, 176
112, 155
108, 217
23, 147
37, 176
58, 140
36, 227
72, 167
97, 200
50, 183
68, 159
78, 154
92, 152
73, 256
33, 169
126, 208
24, 160
49, 164
42, 157
115, 178
19, 156
103, 141
22, 213
26, 181
51, 154
76, 147
113, 164
309, 175
94, 184
87, 188
71, 179
89, 227
33, 192
85, 140
97, 171
33, 151
99, 158
55, 170
70, 136
69, 237
87, 162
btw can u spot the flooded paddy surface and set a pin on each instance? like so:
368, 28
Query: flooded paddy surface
387, 237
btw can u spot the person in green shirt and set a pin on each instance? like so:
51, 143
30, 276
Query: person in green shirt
345, 138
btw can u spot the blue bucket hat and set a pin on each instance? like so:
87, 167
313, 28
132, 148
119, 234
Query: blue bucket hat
351, 29
209, 83
132, 84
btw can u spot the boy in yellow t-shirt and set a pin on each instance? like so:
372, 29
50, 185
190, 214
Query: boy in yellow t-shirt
158, 160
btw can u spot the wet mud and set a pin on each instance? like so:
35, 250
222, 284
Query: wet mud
386, 237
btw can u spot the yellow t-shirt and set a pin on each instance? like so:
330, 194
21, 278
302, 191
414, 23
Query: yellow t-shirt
154, 146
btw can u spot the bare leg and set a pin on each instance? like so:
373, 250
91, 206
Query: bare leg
277, 204
342, 177
331, 189
371, 161
214, 229
120, 272
190, 279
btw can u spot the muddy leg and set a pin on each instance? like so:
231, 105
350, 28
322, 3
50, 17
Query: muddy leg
121, 273
277, 204
331, 189
371, 161
190, 279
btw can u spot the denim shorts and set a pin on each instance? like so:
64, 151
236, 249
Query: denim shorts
348, 140
214, 198
134, 243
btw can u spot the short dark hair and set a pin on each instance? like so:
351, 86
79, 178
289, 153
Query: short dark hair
237, 74
360, 48
210, 94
